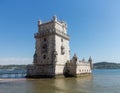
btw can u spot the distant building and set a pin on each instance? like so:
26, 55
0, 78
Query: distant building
52, 52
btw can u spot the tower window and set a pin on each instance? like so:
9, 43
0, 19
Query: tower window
61, 40
44, 56
44, 46
62, 50
45, 39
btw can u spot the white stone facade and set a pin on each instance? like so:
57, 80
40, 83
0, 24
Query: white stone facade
52, 52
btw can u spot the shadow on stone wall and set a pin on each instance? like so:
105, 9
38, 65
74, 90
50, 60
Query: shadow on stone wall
69, 70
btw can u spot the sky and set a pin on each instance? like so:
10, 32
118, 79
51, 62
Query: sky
93, 26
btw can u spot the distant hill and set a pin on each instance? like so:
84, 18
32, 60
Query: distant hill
106, 65
98, 65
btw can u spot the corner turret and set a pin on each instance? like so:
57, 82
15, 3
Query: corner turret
39, 22
54, 18
90, 61
75, 58
83, 60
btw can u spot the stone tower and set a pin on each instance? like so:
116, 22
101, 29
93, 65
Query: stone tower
51, 49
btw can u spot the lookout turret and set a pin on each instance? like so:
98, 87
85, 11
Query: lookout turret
90, 60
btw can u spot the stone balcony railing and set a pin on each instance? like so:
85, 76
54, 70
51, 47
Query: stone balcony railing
58, 32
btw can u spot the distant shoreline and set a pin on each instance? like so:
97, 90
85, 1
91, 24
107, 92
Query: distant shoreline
98, 65
106, 65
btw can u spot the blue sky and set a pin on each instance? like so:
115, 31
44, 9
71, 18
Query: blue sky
93, 25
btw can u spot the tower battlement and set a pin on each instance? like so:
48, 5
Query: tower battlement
53, 24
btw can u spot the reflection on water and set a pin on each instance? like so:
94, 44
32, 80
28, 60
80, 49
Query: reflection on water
101, 81
60, 85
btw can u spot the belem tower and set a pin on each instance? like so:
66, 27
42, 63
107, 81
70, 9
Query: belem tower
52, 53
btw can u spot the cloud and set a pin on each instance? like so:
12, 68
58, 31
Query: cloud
15, 60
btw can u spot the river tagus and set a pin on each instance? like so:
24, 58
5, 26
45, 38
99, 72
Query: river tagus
101, 81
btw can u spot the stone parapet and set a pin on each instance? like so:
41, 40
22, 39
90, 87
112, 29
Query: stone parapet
51, 32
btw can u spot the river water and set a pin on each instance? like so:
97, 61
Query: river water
101, 81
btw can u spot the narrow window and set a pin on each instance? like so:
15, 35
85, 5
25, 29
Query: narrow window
45, 39
62, 50
44, 56
61, 40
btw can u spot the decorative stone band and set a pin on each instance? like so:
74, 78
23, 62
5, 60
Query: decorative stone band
62, 34
60, 64
51, 32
